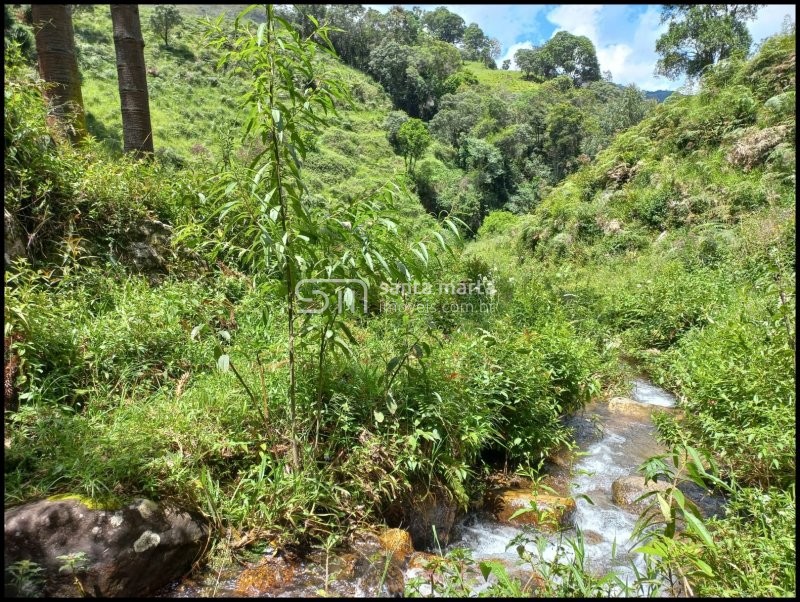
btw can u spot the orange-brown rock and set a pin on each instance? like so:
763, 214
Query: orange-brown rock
552, 511
265, 578
421, 560
398, 542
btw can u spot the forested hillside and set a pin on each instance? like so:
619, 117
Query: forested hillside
527, 242
676, 247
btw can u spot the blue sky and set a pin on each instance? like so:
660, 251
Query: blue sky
624, 35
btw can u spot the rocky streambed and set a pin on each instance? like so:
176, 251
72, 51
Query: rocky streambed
594, 490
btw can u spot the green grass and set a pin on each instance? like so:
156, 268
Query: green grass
676, 251
500, 79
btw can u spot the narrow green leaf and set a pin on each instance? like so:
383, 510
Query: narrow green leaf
697, 526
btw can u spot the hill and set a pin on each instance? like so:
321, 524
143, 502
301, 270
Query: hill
675, 250
659, 95
157, 344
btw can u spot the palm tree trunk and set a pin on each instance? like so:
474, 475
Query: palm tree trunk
132, 78
58, 65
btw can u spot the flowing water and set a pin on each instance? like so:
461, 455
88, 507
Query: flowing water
614, 439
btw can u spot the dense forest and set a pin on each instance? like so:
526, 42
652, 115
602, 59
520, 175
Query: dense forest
284, 279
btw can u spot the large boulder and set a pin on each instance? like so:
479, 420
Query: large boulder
630, 407
626, 490
552, 512
130, 551
422, 512
147, 244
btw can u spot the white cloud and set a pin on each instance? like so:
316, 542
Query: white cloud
577, 19
631, 61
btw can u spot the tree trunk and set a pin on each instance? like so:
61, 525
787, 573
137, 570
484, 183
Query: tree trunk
58, 65
132, 78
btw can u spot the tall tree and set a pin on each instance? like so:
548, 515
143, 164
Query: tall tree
165, 18
474, 41
444, 25
530, 62
132, 78
58, 65
701, 35
567, 54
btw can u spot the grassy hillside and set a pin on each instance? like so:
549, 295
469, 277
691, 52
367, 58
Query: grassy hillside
195, 114
499, 79
117, 387
666, 248
675, 250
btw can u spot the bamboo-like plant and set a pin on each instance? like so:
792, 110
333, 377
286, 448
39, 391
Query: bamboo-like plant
262, 210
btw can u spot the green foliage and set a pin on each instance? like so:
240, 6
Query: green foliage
444, 25
700, 36
748, 551
16, 32
414, 76
165, 18
413, 140
497, 222
476, 46
675, 248
563, 54
462, 78
26, 578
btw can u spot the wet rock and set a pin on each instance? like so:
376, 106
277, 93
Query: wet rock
398, 543
130, 551
268, 577
423, 513
710, 504
421, 560
14, 245
552, 512
626, 490
629, 407
592, 537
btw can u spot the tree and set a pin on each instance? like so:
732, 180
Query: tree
567, 54
474, 41
701, 35
413, 139
165, 17
506, 64
563, 137
262, 218
414, 76
392, 124
401, 25
58, 65
494, 48
478, 47
132, 78
529, 61
444, 25
457, 115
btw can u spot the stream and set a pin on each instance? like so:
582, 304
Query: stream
614, 439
